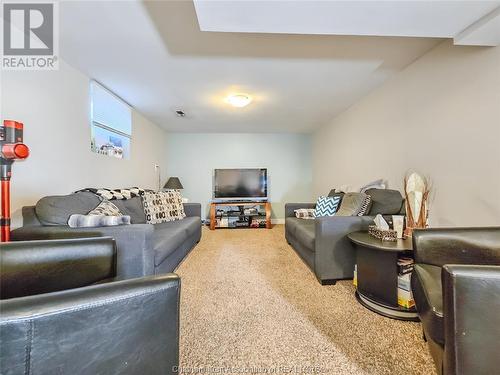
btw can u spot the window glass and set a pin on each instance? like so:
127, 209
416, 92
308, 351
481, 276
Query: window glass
111, 122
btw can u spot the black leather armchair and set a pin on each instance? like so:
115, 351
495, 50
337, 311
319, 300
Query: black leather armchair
60, 314
456, 286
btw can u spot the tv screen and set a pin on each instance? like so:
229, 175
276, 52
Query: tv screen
240, 183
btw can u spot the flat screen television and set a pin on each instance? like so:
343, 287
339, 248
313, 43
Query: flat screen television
240, 184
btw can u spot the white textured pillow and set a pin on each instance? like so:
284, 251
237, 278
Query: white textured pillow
304, 213
378, 184
89, 221
163, 206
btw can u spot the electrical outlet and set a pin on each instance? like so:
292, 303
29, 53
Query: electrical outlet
157, 167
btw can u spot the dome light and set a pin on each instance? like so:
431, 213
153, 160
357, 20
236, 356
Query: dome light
239, 100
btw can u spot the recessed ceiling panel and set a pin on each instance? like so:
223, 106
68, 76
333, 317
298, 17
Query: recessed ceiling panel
439, 19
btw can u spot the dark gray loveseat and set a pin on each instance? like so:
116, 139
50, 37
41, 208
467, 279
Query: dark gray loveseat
142, 249
323, 244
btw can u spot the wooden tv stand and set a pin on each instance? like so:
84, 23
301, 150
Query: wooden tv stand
214, 205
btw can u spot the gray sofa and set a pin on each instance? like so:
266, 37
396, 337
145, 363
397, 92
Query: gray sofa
323, 244
143, 249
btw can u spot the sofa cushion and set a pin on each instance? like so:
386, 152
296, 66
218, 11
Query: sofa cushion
305, 233
428, 295
56, 210
192, 224
168, 236
385, 201
352, 204
132, 207
291, 224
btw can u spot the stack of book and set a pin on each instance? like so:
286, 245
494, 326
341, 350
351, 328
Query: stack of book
405, 296
222, 222
355, 278
250, 211
258, 222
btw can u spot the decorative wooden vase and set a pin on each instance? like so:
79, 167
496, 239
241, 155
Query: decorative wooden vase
413, 223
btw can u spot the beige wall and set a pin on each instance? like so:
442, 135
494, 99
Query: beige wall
54, 107
439, 116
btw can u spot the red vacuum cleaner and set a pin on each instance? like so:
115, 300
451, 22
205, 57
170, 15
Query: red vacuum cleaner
11, 148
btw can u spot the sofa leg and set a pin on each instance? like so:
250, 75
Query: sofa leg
329, 282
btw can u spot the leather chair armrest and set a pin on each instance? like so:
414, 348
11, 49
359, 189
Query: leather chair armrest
192, 209
440, 246
125, 327
35, 267
291, 207
471, 297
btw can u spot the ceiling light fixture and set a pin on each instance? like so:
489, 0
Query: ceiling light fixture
239, 100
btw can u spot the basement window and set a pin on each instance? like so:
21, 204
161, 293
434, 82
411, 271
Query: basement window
110, 122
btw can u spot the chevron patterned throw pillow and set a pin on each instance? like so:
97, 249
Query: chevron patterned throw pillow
326, 206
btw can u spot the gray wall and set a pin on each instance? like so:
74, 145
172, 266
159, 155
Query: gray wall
193, 157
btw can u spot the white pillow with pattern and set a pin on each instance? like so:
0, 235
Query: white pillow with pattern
163, 206
304, 213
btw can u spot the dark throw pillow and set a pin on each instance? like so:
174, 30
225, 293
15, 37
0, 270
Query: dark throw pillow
385, 201
56, 210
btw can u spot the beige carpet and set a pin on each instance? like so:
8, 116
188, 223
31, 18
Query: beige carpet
250, 305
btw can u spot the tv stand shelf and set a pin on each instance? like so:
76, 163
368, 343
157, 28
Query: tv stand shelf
240, 213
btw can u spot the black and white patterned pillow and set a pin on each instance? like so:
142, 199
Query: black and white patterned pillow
304, 213
116, 194
105, 208
365, 206
163, 206
326, 206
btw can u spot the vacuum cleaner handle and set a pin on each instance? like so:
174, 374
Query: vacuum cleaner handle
11, 148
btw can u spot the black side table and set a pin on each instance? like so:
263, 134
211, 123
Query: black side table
377, 274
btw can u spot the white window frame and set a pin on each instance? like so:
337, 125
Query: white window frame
94, 123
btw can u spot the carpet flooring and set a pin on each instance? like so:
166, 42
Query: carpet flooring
250, 305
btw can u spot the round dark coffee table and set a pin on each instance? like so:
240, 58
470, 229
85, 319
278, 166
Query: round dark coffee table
377, 274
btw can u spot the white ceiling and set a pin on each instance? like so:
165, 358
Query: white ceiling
155, 57
437, 19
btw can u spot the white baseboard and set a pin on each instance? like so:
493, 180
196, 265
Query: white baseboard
277, 221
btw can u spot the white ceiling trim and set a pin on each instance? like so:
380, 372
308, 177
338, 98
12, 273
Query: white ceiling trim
485, 32
429, 19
